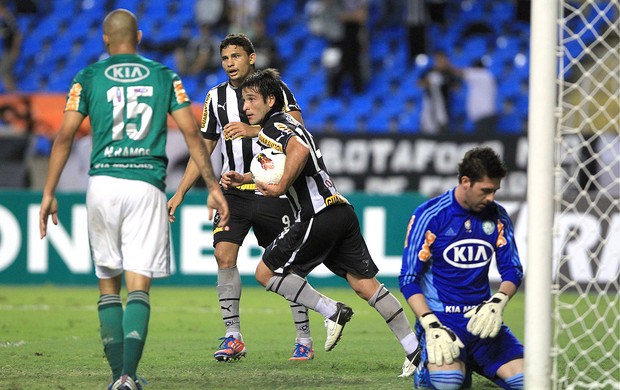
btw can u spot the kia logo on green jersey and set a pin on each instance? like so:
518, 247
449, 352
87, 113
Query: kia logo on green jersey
127, 73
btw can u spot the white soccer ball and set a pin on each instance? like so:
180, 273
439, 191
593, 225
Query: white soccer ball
267, 166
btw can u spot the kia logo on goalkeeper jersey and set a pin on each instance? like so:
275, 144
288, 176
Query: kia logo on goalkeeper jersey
127, 73
470, 253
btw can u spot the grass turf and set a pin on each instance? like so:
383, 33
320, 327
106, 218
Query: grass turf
49, 339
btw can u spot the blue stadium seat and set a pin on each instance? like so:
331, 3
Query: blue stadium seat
285, 11
380, 123
157, 10
67, 7
502, 12
471, 11
331, 106
31, 46
60, 82
346, 122
47, 27
474, 48
514, 123
315, 122
32, 83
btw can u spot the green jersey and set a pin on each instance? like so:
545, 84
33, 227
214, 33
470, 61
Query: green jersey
128, 98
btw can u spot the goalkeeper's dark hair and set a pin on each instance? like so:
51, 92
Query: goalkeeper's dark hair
480, 162
240, 40
267, 83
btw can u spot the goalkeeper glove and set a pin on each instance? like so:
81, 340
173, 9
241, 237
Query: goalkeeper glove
486, 318
442, 345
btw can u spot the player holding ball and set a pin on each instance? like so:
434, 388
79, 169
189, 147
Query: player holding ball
326, 229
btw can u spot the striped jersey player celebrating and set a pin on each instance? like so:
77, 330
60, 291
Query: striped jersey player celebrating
224, 121
451, 241
326, 229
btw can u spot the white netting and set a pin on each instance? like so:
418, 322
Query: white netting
586, 339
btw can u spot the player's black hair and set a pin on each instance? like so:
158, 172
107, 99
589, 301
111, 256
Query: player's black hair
241, 40
480, 162
267, 83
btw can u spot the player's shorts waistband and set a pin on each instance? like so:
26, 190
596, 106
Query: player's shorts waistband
246, 187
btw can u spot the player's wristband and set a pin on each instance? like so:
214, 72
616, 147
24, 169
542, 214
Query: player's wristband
429, 320
500, 298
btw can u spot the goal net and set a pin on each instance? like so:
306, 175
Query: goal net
585, 347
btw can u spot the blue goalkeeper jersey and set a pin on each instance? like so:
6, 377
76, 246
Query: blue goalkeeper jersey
448, 252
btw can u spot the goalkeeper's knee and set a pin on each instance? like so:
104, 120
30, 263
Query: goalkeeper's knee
447, 379
515, 382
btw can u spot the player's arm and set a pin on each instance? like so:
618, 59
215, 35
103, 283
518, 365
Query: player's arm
297, 115
290, 103
233, 179
418, 305
191, 174
234, 130
508, 288
200, 156
442, 344
297, 153
61, 150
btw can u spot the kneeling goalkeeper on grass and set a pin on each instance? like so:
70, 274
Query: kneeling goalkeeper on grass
451, 240
326, 229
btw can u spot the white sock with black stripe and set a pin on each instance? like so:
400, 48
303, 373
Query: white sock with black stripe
392, 312
298, 290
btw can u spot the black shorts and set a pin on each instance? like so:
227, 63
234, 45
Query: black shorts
331, 237
267, 216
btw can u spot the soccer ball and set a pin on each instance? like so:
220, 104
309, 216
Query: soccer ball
267, 166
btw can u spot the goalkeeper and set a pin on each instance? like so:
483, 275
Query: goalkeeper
451, 240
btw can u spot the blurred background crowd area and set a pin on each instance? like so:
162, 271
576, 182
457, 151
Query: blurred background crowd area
302, 39
428, 67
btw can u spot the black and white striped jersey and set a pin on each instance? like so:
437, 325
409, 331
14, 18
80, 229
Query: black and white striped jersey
223, 105
314, 189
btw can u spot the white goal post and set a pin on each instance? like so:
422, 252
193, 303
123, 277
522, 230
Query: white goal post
541, 122
572, 284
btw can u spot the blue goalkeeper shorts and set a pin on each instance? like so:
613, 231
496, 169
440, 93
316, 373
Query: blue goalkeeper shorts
484, 356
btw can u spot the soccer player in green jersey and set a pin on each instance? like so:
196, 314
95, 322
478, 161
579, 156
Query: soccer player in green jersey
127, 98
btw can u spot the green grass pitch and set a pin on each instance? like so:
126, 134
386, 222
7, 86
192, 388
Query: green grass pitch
49, 339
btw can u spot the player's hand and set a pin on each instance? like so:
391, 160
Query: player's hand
217, 201
49, 206
442, 345
232, 179
485, 320
234, 130
270, 190
173, 203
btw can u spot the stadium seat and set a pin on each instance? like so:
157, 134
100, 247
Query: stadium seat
502, 12
514, 123
347, 122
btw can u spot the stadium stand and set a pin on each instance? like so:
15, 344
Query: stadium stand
58, 43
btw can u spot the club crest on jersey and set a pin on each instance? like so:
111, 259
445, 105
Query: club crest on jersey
469, 253
127, 73
488, 227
